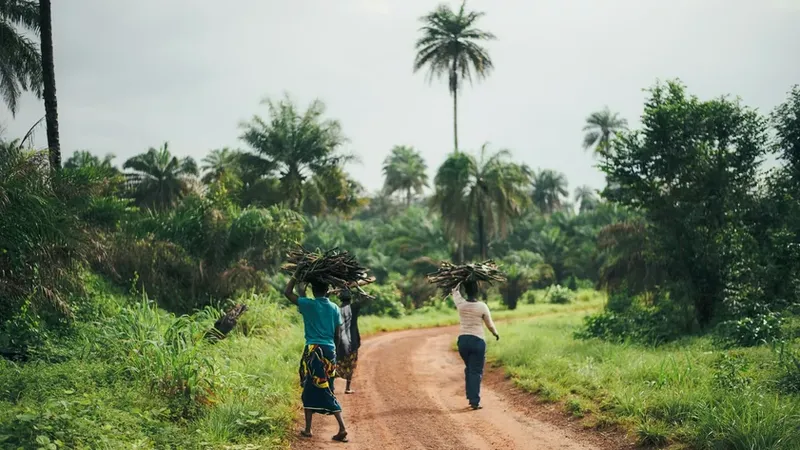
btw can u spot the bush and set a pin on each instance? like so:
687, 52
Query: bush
758, 329
645, 325
416, 291
529, 297
790, 378
43, 244
560, 295
162, 269
386, 302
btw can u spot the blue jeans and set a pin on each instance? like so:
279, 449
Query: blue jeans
473, 351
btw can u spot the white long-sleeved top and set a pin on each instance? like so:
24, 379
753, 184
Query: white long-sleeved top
473, 315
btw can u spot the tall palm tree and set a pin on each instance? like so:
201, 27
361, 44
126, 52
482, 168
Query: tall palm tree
586, 198
549, 190
20, 61
296, 145
600, 128
450, 45
219, 162
49, 87
488, 189
159, 178
405, 170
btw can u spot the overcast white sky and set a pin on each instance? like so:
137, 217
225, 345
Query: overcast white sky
134, 73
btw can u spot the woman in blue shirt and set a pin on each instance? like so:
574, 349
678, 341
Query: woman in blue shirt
322, 322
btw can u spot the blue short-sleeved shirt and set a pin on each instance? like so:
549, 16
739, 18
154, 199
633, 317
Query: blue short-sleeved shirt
320, 317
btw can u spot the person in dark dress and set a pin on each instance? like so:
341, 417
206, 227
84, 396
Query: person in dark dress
350, 340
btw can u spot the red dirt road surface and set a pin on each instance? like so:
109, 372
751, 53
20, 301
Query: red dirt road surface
410, 395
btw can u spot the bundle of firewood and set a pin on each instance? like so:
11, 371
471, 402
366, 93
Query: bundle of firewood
449, 276
335, 267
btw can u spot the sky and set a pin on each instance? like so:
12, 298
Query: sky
132, 74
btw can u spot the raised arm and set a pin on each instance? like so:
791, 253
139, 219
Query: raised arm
487, 319
289, 291
458, 299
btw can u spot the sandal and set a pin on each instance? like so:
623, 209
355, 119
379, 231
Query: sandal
306, 434
341, 437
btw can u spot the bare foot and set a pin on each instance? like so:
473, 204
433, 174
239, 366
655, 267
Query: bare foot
341, 437
306, 434
349, 391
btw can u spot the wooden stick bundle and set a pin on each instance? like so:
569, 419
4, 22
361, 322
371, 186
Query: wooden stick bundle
335, 267
449, 275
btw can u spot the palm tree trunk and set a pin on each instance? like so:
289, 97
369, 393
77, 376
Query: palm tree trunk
49, 79
481, 236
455, 120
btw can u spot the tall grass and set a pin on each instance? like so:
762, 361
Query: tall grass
139, 377
684, 392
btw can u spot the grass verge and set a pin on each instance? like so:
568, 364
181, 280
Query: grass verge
684, 394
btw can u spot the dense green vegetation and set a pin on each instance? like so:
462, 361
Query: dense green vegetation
110, 276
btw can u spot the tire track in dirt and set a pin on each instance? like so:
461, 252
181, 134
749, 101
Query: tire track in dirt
410, 395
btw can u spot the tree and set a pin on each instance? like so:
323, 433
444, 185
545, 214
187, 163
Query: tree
49, 84
600, 129
332, 190
20, 61
489, 190
159, 178
691, 171
219, 162
450, 45
520, 270
405, 170
586, 198
549, 190
83, 158
786, 120
296, 145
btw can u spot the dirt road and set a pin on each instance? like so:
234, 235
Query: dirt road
410, 395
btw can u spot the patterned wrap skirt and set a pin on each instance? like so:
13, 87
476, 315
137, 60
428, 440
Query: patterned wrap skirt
347, 365
317, 371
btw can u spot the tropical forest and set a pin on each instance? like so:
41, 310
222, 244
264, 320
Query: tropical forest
142, 297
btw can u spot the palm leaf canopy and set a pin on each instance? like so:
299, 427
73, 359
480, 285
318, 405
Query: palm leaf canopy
159, 178
20, 61
489, 184
449, 45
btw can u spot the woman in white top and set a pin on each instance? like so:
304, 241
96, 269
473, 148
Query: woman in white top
471, 344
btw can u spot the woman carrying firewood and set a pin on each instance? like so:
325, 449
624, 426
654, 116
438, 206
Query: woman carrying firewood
350, 341
473, 314
322, 322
